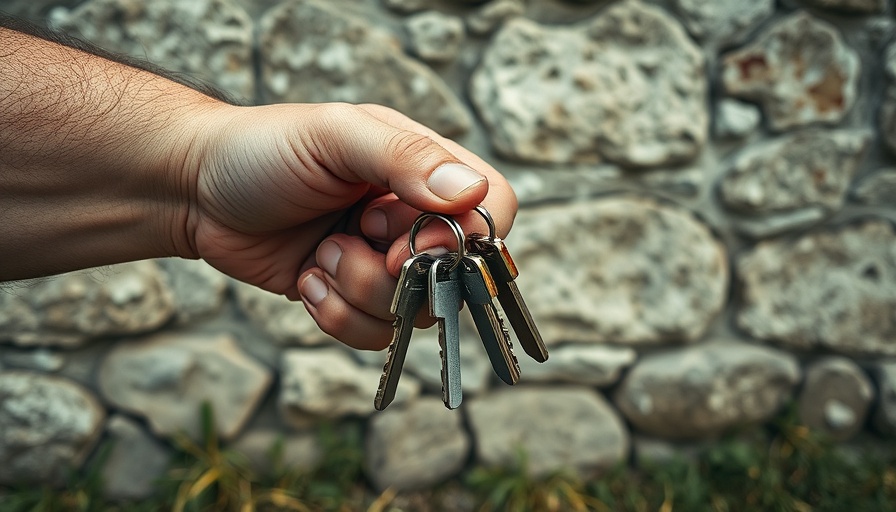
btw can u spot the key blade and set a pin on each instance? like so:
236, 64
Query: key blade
444, 304
397, 352
521, 320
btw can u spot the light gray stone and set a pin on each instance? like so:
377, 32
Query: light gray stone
435, 37
723, 22
779, 222
736, 119
287, 322
49, 425
416, 446
835, 397
627, 86
888, 108
852, 6
40, 359
701, 391
211, 39
328, 384
312, 51
166, 378
878, 189
568, 429
269, 451
407, 6
198, 288
423, 360
619, 270
833, 290
594, 365
796, 171
884, 418
799, 70
136, 461
69, 309
492, 15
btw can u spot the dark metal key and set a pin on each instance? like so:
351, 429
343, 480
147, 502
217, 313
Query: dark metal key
504, 272
444, 305
410, 296
479, 293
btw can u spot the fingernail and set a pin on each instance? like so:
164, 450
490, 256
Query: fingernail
440, 250
375, 225
328, 255
450, 180
314, 289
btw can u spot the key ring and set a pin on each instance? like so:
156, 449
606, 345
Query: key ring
488, 219
455, 226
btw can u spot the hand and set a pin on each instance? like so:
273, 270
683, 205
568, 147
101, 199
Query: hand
315, 202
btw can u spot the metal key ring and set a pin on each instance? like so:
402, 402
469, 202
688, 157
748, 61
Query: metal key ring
488, 219
455, 226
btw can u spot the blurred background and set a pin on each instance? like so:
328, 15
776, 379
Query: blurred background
706, 241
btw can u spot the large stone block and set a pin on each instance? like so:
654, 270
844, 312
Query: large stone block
198, 289
136, 461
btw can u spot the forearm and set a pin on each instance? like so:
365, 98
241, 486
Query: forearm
91, 159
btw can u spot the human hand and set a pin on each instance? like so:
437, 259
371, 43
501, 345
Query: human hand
315, 201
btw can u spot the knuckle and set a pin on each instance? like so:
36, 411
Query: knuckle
407, 145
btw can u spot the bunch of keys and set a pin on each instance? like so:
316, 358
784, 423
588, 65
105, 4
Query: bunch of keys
479, 273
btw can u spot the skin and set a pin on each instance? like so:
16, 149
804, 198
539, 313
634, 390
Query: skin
101, 163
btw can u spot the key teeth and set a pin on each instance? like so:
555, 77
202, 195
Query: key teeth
509, 344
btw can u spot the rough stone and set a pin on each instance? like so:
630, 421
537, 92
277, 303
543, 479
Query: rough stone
49, 426
328, 384
884, 419
888, 108
594, 365
878, 189
435, 37
852, 6
69, 309
211, 39
723, 23
557, 428
314, 52
736, 119
423, 361
620, 270
627, 86
835, 397
198, 288
166, 379
799, 70
39, 359
287, 322
834, 290
416, 446
492, 15
136, 461
269, 450
796, 171
701, 391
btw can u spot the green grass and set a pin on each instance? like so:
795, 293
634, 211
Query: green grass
782, 467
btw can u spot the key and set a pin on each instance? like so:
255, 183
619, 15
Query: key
504, 272
479, 292
410, 296
444, 305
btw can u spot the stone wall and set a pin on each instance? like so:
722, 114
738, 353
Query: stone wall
706, 235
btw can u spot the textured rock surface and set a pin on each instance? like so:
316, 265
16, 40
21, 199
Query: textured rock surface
48, 425
211, 39
197, 288
327, 383
780, 222
703, 390
415, 446
799, 70
167, 378
40, 359
884, 418
423, 360
136, 461
313, 52
491, 15
835, 397
435, 37
855, 6
620, 270
822, 289
269, 450
878, 189
594, 365
723, 22
627, 86
406, 6
808, 168
69, 309
558, 429
736, 119
287, 322
888, 109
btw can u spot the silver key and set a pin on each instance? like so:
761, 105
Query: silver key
444, 305
410, 296
479, 293
504, 272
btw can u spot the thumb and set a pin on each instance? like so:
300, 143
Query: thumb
357, 147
